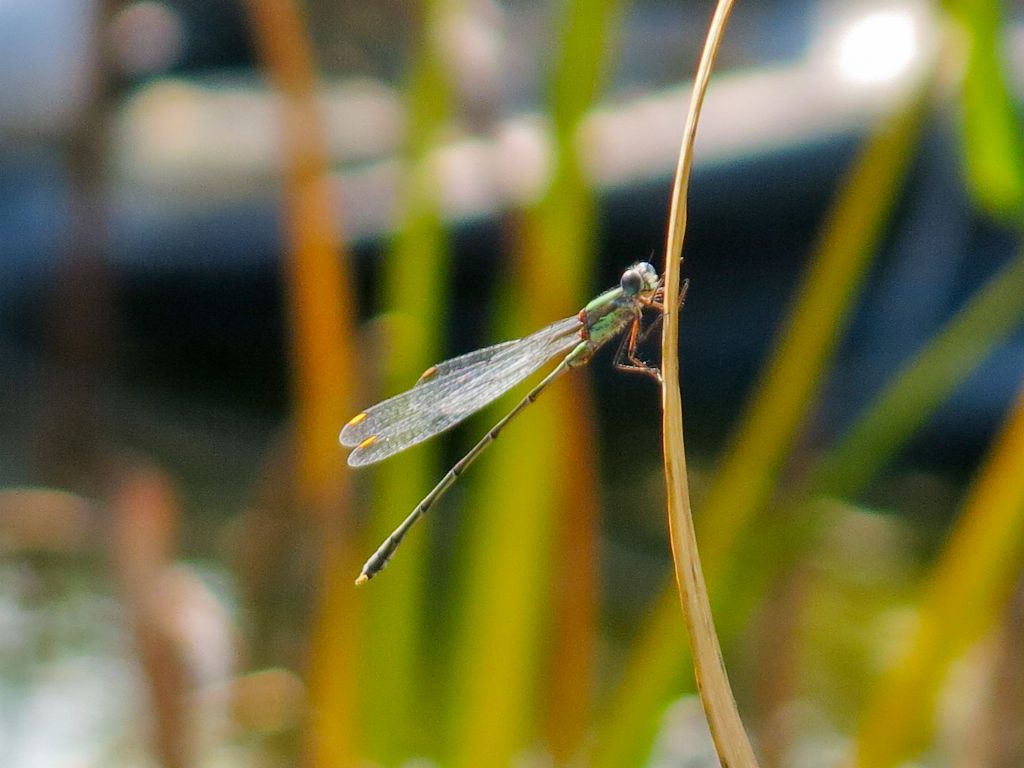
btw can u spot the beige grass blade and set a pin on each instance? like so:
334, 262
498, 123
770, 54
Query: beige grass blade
727, 731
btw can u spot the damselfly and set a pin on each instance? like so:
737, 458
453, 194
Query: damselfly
449, 392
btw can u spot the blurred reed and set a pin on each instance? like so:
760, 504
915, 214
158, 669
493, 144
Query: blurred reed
966, 593
81, 328
888, 423
320, 316
530, 573
145, 521
997, 733
394, 651
901, 408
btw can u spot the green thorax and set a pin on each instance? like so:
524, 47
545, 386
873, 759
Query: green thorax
607, 315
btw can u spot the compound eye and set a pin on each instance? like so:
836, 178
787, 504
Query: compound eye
631, 282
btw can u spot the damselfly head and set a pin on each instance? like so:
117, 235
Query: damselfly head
639, 278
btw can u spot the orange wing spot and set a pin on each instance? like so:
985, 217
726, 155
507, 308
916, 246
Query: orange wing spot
429, 373
357, 420
367, 442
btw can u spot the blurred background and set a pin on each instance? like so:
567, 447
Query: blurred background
227, 226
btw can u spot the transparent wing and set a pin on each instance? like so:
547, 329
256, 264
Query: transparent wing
451, 391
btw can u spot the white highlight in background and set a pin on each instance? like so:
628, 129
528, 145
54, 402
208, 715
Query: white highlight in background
878, 47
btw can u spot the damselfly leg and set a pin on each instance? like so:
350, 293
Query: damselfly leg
626, 358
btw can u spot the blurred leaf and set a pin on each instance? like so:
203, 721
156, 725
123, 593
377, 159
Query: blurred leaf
765, 435
414, 287
542, 469
963, 598
991, 127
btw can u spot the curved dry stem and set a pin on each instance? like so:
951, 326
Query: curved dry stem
727, 731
